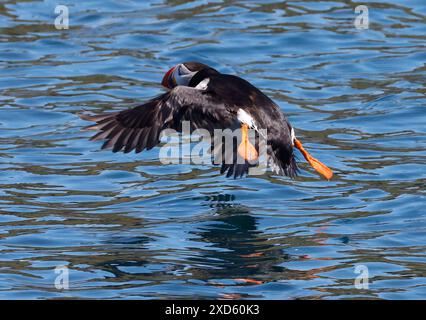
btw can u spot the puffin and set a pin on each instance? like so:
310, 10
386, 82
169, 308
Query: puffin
210, 100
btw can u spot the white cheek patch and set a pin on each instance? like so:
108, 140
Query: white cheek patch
182, 79
203, 84
245, 118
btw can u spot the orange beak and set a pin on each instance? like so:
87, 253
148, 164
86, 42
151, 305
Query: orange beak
168, 79
320, 167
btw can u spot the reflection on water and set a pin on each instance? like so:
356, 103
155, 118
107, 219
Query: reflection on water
128, 227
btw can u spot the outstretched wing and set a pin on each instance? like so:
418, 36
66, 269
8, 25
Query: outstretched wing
140, 127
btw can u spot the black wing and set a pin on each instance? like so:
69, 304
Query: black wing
238, 92
225, 153
282, 161
140, 127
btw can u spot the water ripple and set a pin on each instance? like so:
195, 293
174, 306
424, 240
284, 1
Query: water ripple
128, 227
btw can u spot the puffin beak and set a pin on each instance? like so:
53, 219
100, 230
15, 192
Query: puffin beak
320, 167
168, 78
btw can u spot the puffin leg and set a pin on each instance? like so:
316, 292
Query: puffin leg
246, 150
316, 164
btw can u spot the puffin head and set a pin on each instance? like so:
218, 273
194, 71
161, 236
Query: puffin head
181, 74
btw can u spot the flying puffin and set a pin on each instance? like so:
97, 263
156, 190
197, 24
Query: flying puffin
209, 100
